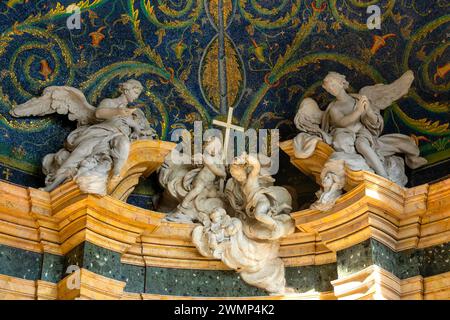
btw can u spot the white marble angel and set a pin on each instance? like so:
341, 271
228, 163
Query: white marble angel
263, 207
100, 145
193, 188
257, 262
241, 226
352, 125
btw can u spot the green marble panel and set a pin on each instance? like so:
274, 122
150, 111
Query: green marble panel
202, 283
20, 263
52, 267
74, 257
405, 264
134, 276
107, 263
102, 261
311, 278
184, 282
435, 260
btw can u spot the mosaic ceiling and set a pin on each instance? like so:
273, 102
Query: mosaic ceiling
277, 52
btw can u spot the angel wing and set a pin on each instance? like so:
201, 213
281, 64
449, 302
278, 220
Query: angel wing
62, 100
382, 96
309, 116
312, 120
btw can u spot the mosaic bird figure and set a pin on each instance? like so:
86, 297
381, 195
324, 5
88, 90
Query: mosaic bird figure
97, 37
441, 72
92, 16
380, 41
179, 48
258, 50
45, 69
160, 33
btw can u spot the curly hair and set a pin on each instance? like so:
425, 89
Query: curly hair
337, 77
130, 84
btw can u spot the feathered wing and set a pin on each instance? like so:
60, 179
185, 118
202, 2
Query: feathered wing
62, 100
382, 96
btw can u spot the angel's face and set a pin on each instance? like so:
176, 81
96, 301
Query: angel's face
332, 86
327, 181
213, 146
133, 93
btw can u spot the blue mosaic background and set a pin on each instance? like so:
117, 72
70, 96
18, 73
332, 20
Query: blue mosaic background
277, 53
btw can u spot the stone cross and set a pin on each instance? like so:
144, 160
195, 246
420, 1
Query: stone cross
228, 126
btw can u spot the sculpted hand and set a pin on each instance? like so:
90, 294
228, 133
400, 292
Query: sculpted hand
126, 112
362, 104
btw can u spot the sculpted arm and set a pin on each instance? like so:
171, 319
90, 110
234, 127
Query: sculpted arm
256, 167
109, 113
218, 171
343, 121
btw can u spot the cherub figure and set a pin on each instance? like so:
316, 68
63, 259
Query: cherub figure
213, 167
103, 133
221, 229
263, 207
333, 182
195, 188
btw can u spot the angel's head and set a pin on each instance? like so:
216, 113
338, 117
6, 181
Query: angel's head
334, 83
217, 215
213, 146
132, 89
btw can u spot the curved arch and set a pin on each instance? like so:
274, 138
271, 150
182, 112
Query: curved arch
144, 158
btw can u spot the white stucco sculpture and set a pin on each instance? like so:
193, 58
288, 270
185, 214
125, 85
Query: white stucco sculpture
352, 124
194, 188
97, 150
241, 226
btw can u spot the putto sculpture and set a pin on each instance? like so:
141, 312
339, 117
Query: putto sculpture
242, 225
96, 151
352, 124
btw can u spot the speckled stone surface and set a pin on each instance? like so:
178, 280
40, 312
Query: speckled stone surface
202, 283
101, 261
435, 260
184, 282
405, 264
228, 283
134, 276
311, 278
20, 263
74, 257
106, 263
52, 267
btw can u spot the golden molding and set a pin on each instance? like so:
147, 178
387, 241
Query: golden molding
375, 283
312, 166
398, 217
56, 222
372, 283
144, 158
